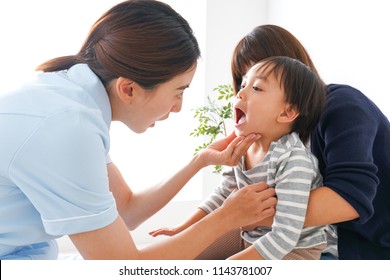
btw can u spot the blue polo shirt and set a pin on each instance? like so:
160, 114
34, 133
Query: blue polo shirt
54, 147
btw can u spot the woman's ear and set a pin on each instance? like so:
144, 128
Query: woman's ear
289, 114
124, 88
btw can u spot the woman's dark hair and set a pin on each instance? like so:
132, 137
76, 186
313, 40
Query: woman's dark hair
142, 40
303, 89
262, 42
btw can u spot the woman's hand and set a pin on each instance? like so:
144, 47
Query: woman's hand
249, 205
227, 151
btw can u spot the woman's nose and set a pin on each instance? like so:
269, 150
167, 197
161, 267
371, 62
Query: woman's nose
177, 107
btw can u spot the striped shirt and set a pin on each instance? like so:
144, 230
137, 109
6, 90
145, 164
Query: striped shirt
293, 171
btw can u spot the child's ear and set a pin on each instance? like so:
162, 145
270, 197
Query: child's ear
124, 89
289, 114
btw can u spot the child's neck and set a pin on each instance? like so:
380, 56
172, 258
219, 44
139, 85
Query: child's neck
259, 149
256, 153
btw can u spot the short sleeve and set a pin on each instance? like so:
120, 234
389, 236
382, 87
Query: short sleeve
61, 168
108, 159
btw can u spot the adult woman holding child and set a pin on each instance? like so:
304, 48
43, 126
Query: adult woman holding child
350, 143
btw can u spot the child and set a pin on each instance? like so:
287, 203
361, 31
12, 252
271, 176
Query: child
281, 99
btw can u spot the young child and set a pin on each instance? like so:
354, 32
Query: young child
281, 99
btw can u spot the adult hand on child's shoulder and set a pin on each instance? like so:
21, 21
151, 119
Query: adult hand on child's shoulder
251, 204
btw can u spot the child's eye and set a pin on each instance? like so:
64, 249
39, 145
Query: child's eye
256, 88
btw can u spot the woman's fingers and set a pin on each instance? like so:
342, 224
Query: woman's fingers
238, 147
230, 137
241, 147
227, 151
251, 204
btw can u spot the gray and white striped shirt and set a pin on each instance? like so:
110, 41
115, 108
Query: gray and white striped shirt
292, 170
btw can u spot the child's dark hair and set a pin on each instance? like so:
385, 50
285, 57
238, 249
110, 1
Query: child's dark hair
303, 89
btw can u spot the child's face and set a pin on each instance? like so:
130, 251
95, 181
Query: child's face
259, 103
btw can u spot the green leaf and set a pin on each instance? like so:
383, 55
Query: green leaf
211, 117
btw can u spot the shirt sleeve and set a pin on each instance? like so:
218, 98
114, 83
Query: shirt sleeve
61, 169
220, 193
295, 175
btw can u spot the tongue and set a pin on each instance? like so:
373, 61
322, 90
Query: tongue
241, 120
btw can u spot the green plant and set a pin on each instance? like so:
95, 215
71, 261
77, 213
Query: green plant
213, 116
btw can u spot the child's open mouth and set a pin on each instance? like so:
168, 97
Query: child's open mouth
240, 116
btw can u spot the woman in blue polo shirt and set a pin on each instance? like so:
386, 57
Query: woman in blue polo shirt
56, 177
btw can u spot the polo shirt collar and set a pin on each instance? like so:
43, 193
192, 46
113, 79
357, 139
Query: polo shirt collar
87, 79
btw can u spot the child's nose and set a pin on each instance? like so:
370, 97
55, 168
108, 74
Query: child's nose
240, 94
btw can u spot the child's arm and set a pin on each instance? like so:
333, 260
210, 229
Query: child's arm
195, 217
214, 200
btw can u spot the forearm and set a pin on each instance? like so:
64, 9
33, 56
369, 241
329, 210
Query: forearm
192, 241
198, 215
114, 241
185, 245
327, 207
146, 203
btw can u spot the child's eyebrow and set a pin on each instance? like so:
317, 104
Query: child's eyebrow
261, 77
257, 77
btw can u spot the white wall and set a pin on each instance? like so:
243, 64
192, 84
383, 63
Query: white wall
227, 22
